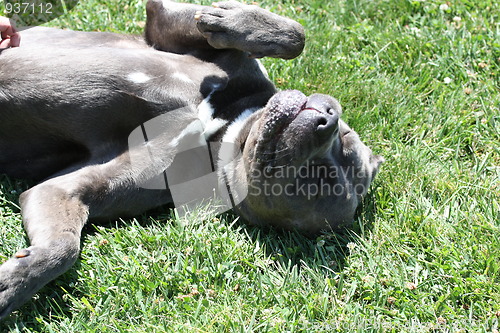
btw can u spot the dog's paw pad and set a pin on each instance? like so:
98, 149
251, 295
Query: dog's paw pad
22, 253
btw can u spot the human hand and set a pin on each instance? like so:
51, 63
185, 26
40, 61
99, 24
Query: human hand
9, 37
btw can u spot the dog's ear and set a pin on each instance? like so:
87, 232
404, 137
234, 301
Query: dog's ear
376, 161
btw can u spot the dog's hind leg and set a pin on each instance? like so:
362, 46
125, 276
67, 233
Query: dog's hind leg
53, 218
55, 211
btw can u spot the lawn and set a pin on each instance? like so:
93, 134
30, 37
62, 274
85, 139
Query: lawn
420, 81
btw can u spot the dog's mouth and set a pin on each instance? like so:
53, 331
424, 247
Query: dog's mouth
294, 125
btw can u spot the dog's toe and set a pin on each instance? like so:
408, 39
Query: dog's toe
211, 19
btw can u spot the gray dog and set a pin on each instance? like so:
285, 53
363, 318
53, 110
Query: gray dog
111, 124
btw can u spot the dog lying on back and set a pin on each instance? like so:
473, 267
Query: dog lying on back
115, 125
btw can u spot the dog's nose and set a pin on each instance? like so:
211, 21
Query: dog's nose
327, 113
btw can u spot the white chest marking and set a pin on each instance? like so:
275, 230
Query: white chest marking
234, 129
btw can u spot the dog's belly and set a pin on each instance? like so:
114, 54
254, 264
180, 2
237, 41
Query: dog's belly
57, 38
57, 108
40, 159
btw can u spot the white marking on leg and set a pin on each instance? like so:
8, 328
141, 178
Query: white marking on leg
138, 77
213, 126
205, 114
205, 110
194, 130
183, 77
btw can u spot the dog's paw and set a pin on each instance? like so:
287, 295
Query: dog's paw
6, 306
249, 28
225, 25
20, 279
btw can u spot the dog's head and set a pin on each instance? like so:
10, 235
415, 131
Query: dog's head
297, 165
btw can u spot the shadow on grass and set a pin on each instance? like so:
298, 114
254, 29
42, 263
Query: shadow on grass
10, 189
327, 251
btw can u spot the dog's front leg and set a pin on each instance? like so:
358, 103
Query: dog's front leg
187, 28
53, 217
55, 211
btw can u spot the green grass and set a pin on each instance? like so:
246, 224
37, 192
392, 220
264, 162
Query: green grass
421, 84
